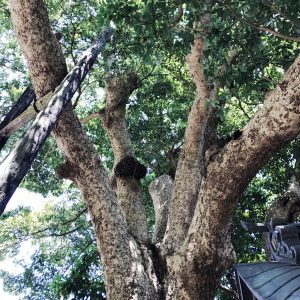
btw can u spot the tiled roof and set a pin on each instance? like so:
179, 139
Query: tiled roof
271, 280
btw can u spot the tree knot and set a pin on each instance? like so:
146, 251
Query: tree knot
66, 170
129, 166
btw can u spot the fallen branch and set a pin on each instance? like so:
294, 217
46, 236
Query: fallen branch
18, 162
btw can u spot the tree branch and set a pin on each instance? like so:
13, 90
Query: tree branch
90, 117
275, 124
17, 109
128, 185
2, 64
25, 116
283, 14
17, 163
61, 224
28, 115
200, 133
54, 234
265, 29
243, 110
178, 16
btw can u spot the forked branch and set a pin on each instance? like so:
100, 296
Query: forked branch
127, 170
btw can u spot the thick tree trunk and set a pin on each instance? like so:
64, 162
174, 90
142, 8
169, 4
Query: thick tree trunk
128, 268
197, 247
228, 173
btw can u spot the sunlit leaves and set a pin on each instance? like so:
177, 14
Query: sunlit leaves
64, 260
242, 62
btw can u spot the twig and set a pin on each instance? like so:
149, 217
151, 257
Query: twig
60, 234
243, 110
61, 224
284, 15
265, 29
2, 64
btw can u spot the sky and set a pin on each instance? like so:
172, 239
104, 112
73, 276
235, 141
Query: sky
26, 198
5, 296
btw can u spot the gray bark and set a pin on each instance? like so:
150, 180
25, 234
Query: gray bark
17, 163
160, 191
128, 188
18, 108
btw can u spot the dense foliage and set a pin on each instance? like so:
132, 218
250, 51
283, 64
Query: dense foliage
152, 39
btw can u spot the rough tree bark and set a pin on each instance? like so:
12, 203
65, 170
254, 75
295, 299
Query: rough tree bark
199, 134
207, 249
18, 162
127, 170
127, 265
196, 248
161, 191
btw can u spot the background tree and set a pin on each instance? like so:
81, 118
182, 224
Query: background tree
244, 51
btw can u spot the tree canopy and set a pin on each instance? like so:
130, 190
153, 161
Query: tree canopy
248, 47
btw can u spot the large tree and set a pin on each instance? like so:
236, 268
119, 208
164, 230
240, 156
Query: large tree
191, 245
